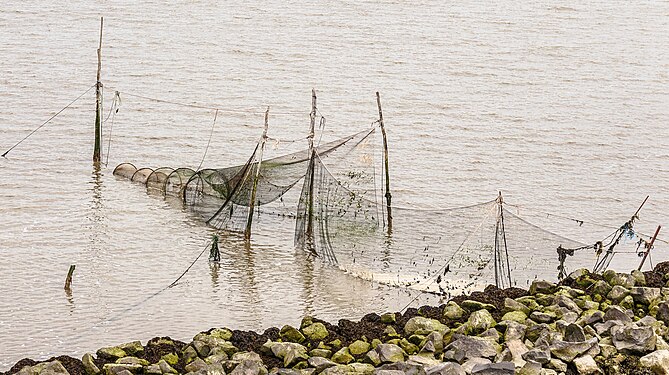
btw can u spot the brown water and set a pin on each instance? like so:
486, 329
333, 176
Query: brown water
564, 108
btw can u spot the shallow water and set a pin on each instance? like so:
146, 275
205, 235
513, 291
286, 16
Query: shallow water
563, 108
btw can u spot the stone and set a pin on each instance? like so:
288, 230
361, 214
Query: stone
189, 354
171, 358
627, 303
45, 368
428, 348
423, 326
153, 369
132, 348
500, 368
390, 332
325, 353
617, 293
132, 361
388, 318
388, 372
405, 367
320, 363
362, 368
221, 333
617, 313
315, 331
249, 367
217, 358
600, 287
195, 366
634, 340
528, 301
663, 312
343, 356
517, 349
480, 321
111, 353
645, 295
246, 356
476, 305
541, 317
515, 316
567, 351
359, 347
568, 303
464, 347
590, 317
586, 365
453, 311
490, 334
574, 333
533, 333
626, 281
657, 361
291, 334
390, 353
557, 365
540, 355
372, 357
116, 368
408, 347
511, 305
578, 273
423, 360
165, 367
639, 278
446, 368
437, 339
288, 351
514, 331
530, 368
469, 364
89, 364
542, 286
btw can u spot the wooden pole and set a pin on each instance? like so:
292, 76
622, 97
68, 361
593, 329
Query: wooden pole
98, 103
68, 280
312, 156
650, 247
385, 159
247, 232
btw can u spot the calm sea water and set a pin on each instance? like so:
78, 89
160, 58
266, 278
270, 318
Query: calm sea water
563, 107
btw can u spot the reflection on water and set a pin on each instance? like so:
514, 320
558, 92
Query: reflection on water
560, 108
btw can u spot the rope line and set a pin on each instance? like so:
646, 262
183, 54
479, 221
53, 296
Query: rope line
208, 142
47, 121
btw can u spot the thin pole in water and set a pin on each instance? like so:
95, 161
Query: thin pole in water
68, 279
385, 159
312, 155
247, 232
649, 247
98, 103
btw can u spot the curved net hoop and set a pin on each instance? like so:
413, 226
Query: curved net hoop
125, 170
175, 182
141, 175
155, 182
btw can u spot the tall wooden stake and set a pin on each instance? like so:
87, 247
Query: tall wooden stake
98, 103
650, 247
312, 155
68, 279
247, 232
385, 159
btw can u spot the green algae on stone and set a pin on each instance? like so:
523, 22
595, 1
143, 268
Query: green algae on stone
315, 331
342, 356
359, 347
289, 333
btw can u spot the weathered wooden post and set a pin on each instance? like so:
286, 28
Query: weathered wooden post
68, 279
98, 103
252, 201
650, 247
385, 159
312, 156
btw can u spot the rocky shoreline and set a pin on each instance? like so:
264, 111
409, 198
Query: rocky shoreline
587, 324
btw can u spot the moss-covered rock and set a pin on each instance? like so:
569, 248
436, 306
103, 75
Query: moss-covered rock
291, 334
423, 326
315, 331
453, 311
342, 356
359, 347
388, 318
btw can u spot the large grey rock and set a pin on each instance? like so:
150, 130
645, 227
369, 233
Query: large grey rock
530, 368
574, 333
316, 331
390, 353
165, 367
470, 363
453, 311
445, 368
617, 313
437, 340
540, 355
423, 326
44, 368
501, 368
543, 317
320, 363
657, 361
89, 364
197, 365
663, 312
517, 349
405, 367
568, 303
513, 305
464, 347
290, 352
132, 348
542, 286
567, 351
645, 295
117, 368
514, 331
617, 293
249, 367
480, 321
634, 340
111, 353
586, 365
